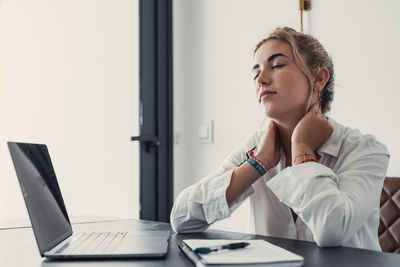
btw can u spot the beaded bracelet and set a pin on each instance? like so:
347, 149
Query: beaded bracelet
256, 165
308, 160
250, 151
306, 156
253, 161
247, 157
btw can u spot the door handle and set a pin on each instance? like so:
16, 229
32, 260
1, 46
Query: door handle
151, 142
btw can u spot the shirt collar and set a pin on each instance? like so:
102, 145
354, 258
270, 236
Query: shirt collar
333, 144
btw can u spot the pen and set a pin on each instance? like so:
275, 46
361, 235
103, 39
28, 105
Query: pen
206, 250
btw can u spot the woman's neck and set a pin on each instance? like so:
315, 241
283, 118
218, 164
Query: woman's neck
286, 126
286, 129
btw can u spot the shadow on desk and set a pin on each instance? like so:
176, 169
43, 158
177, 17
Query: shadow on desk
18, 248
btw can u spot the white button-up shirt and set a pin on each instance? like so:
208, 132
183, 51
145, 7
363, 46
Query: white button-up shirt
336, 200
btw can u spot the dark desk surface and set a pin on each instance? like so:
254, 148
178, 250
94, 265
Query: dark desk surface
18, 248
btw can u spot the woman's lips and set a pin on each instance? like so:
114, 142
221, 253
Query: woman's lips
266, 93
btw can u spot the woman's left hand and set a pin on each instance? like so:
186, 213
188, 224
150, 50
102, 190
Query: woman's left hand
312, 131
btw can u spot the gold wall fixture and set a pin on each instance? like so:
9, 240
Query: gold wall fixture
304, 5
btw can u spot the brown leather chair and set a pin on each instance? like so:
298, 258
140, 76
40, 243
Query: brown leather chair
389, 227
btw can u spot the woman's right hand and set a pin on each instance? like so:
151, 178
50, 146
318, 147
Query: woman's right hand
269, 148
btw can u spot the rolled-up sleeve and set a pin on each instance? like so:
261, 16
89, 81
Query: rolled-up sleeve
203, 203
335, 204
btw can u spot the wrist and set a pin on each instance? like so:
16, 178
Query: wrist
303, 158
251, 172
300, 148
302, 153
256, 163
263, 160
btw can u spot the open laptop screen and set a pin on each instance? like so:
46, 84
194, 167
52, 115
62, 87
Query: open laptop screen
41, 193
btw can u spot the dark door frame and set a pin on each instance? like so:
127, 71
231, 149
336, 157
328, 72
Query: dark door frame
155, 109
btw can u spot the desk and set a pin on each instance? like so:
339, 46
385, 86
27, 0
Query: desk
18, 248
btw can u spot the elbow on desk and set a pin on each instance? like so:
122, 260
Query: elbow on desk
181, 223
331, 234
186, 227
185, 216
337, 228
328, 240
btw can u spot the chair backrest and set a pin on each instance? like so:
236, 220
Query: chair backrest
389, 227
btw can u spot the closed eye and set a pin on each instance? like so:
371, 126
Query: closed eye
255, 77
277, 66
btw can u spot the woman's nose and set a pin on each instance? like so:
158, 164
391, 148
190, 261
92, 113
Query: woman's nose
263, 79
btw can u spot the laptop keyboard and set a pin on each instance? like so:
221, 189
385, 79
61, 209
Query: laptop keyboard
87, 243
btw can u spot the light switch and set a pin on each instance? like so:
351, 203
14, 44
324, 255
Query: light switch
205, 133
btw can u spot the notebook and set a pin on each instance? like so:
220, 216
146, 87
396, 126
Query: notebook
258, 252
50, 220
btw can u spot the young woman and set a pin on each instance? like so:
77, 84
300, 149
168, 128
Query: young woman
308, 177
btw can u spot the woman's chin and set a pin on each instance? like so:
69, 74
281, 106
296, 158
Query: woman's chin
270, 113
282, 113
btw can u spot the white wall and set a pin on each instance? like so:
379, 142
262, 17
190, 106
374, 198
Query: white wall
213, 44
69, 78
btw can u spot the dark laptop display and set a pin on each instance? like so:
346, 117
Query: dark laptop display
50, 222
42, 194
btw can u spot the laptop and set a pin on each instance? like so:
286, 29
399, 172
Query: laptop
50, 222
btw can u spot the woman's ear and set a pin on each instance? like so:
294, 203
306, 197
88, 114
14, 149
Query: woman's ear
321, 78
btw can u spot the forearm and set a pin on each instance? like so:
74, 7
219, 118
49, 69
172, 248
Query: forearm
206, 201
242, 178
203, 203
332, 212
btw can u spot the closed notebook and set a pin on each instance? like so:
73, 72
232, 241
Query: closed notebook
258, 252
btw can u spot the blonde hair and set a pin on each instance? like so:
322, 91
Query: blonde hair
315, 57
